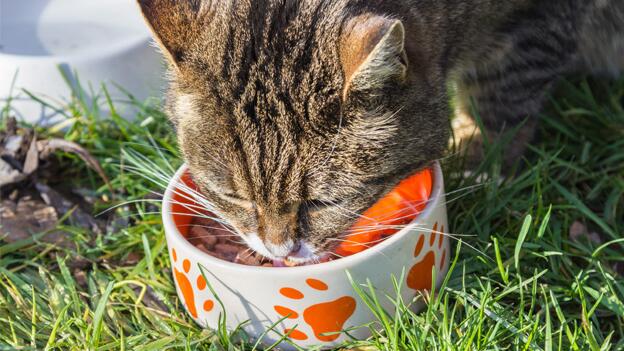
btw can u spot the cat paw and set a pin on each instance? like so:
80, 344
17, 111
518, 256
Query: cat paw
420, 276
326, 320
187, 287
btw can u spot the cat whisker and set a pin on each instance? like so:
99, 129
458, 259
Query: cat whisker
143, 163
365, 245
211, 228
137, 201
162, 156
208, 152
249, 252
198, 204
400, 227
131, 215
368, 244
357, 215
453, 236
194, 237
126, 203
334, 143
335, 254
390, 215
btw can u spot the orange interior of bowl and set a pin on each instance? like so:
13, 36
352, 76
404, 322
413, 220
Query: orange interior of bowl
388, 216
183, 206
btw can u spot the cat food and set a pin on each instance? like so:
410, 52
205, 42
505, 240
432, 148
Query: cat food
387, 217
214, 239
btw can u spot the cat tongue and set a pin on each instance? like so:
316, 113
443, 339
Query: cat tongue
279, 263
285, 263
289, 263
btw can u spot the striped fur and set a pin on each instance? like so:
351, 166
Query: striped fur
294, 116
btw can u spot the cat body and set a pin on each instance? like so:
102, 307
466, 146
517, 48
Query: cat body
296, 116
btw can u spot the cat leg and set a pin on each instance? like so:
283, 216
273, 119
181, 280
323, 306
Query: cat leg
602, 38
503, 108
508, 86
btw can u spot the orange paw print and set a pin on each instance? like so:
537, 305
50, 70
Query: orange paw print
187, 288
323, 318
420, 276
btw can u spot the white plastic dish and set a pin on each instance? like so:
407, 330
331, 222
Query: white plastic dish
103, 41
317, 301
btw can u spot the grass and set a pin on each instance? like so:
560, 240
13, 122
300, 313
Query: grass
528, 286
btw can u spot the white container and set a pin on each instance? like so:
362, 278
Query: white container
103, 41
317, 299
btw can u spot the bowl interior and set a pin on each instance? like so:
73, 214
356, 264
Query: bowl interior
67, 27
181, 207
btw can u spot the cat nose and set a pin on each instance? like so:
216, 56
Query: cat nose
284, 249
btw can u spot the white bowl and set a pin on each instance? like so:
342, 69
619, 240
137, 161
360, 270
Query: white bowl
104, 41
320, 298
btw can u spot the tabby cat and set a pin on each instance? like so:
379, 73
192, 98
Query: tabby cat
294, 116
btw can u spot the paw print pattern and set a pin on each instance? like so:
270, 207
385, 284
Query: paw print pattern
420, 276
187, 288
326, 320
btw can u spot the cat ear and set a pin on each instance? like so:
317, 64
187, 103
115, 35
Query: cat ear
175, 24
373, 53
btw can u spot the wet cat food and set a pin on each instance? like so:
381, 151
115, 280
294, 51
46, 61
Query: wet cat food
214, 239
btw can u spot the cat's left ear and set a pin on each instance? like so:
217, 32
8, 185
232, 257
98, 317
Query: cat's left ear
372, 53
176, 25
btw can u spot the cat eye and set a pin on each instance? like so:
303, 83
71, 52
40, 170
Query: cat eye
237, 200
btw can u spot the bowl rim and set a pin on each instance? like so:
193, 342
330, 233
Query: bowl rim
108, 51
181, 243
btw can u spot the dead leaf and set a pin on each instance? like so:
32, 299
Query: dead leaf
578, 231
79, 263
132, 259
9, 175
11, 126
150, 299
31, 163
49, 146
28, 217
12, 145
13, 151
80, 277
88, 195
63, 206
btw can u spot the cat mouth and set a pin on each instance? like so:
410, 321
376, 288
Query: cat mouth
293, 261
304, 256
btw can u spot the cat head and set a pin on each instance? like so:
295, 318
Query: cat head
296, 116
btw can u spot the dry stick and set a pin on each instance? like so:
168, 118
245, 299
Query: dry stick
47, 147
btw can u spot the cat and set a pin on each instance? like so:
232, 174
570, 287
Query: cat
296, 116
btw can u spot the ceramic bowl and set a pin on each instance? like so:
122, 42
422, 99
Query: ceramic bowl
314, 303
95, 42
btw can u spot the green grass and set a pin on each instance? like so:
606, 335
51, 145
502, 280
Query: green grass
527, 286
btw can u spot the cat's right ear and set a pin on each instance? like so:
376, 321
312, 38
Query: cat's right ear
372, 52
176, 24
